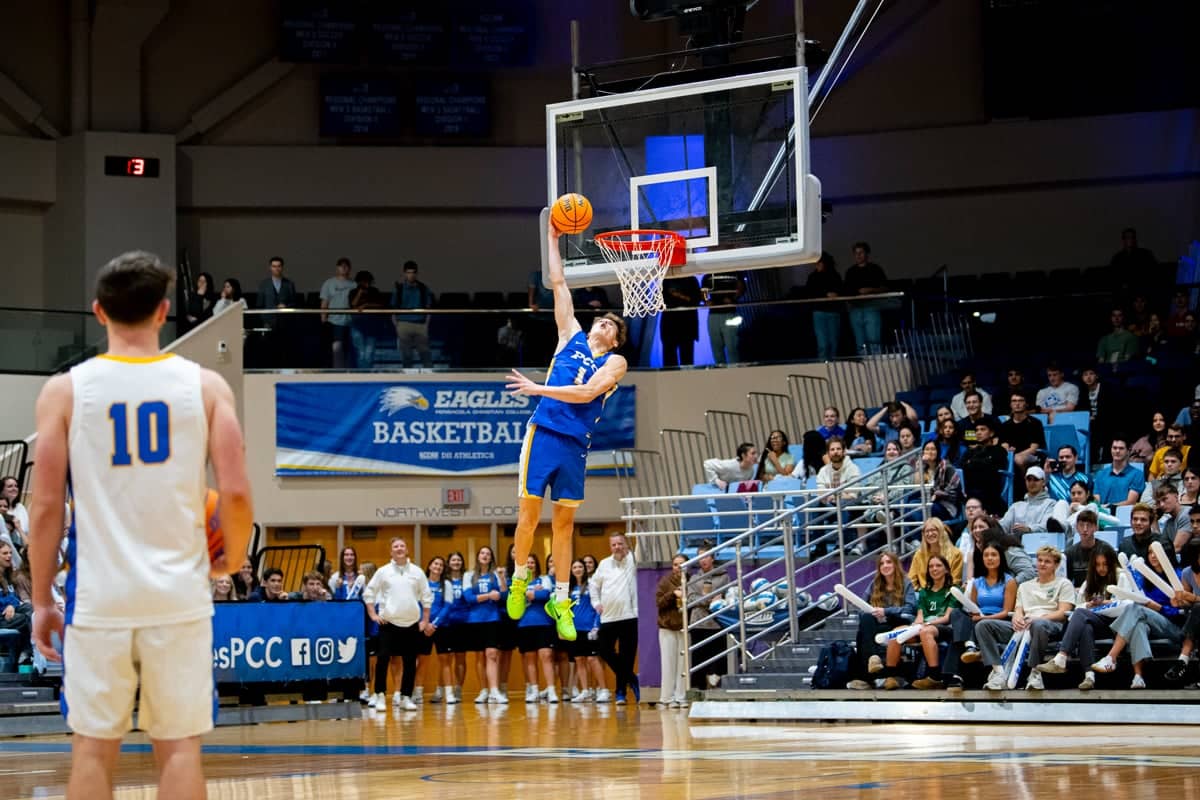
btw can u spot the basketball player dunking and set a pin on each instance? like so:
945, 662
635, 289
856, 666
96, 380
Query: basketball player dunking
131, 431
583, 374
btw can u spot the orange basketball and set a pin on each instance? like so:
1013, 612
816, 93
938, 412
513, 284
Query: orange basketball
571, 213
212, 526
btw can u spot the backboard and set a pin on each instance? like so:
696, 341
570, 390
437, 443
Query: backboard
724, 163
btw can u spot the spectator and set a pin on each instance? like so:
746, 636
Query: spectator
271, 590
1176, 327
1189, 418
1014, 382
593, 297
231, 294
896, 412
679, 329
908, 436
703, 587
1189, 495
1131, 259
1081, 501
721, 293
1145, 448
935, 541
509, 339
829, 424
1191, 626
1138, 318
403, 596
276, 291
1161, 617
894, 603
335, 294
983, 466
1176, 440
412, 330
536, 636
886, 484
614, 596
347, 583
1153, 341
1079, 553
1042, 608
934, 606
776, 459
1118, 345
586, 647
945, 488
1100, 571
245, 581
973, 401
367, 330
1186, 344
994, 592
721, 472
958, 403
971, 540
1174, 523
15, 611
1141, 520
201, 300
1119, 484
1019, 563
10, 533
668, 596
838, 471
949, 443
823, 283
312, 588
1172, 464
1102, 408
435, 574
1022, 435
860, 440
482, 591
1058, 394
1063, 472
223, 590
1038, 512
865, 277
10, 489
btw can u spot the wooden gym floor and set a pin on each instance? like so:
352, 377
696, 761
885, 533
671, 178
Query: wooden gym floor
610, 752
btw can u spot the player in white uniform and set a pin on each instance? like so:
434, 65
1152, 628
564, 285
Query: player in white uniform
131, 432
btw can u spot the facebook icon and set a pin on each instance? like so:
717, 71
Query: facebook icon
301, 653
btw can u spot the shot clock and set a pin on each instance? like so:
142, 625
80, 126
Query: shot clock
131, 166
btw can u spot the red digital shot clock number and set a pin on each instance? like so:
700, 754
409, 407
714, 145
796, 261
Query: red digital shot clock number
131, 166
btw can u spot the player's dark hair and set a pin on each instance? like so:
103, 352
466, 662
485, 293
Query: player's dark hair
947, 577
448, 571
622, 327
1175, 453
130, 287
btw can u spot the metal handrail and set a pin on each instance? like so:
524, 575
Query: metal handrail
749, 545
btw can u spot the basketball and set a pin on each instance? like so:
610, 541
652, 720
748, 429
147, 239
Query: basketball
571, 213
212, 526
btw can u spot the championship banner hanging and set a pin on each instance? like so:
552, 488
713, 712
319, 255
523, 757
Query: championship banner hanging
426, 428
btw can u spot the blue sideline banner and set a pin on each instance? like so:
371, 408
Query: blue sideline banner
283, 642
427, 428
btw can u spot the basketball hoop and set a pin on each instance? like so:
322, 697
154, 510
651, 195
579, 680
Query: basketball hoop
641, 259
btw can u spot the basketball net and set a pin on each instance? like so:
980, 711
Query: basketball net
641, 259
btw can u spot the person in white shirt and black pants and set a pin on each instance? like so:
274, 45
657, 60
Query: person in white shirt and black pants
401, 593
613, 589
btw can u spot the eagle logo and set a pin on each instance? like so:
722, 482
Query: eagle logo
397, 398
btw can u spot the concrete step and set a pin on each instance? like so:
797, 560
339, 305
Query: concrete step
803, 650
767, 680
783, 665
25, 694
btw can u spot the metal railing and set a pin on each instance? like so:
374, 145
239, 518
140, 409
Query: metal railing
803, 540
940, 348
770, 411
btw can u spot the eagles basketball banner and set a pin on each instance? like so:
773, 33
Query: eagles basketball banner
294, 641
434, 428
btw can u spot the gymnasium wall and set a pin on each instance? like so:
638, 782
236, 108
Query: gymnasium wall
902, 146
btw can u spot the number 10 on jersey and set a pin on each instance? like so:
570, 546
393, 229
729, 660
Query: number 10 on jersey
153, 433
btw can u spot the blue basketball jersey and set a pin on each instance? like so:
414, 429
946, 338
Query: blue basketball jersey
574, 364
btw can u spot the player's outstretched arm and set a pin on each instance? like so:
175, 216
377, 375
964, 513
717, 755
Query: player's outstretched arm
53, 414
564, 306
227, 452
601, 382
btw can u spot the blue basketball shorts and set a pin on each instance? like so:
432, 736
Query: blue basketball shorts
551, 460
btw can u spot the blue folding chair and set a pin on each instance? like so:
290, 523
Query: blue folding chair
1033, 541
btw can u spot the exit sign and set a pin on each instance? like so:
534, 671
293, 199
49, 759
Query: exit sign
456, 495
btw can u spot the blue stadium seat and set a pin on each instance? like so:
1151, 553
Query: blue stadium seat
1058, 436
1032, 541
695, 529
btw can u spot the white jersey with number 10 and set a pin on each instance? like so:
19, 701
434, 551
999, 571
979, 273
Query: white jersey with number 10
138, 449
